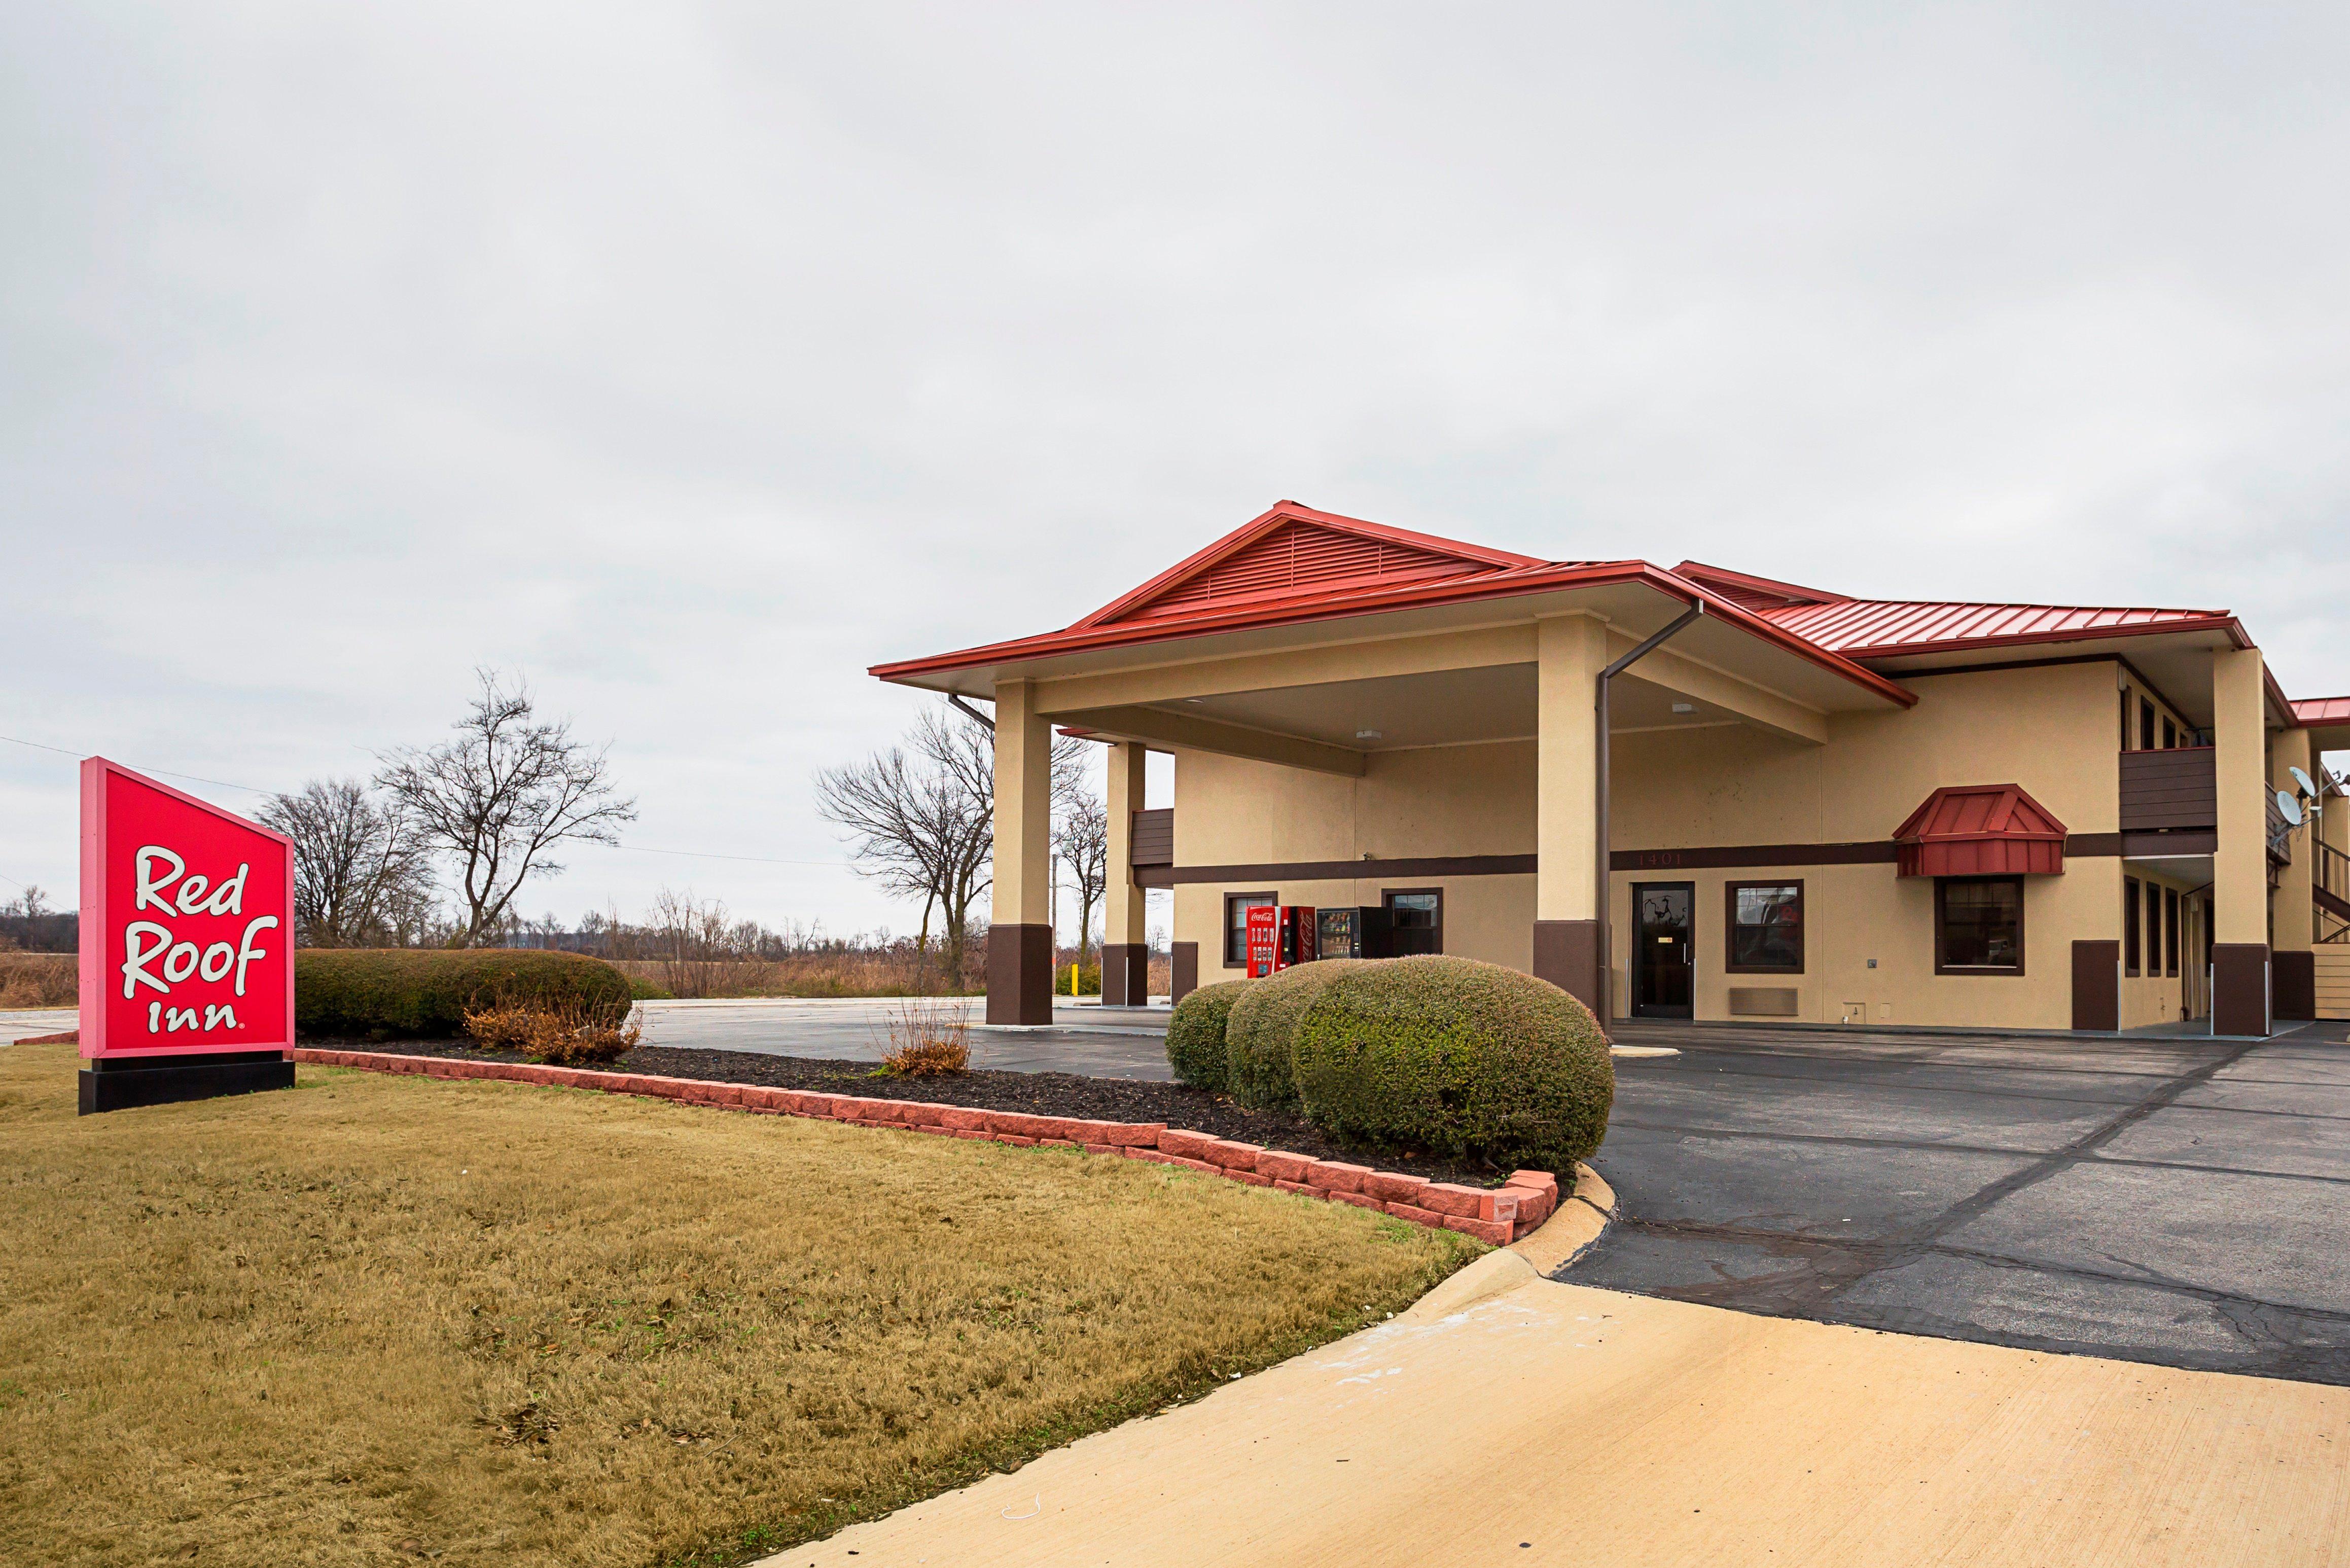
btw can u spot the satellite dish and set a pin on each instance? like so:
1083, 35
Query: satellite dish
2308, 785
2288, 807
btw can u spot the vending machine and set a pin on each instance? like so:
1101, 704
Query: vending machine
1280, 936
1356, 933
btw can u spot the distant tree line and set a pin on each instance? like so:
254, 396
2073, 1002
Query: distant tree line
28, 924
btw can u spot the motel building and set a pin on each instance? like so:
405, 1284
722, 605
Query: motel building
1684, 793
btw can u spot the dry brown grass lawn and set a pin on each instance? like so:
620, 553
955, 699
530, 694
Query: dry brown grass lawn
375, 1320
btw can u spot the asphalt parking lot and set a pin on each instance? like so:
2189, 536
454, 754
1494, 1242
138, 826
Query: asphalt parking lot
2183, 1201
1099, 1042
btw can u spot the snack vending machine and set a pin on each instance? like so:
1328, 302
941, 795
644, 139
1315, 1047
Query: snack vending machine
1280, 936
1358, 933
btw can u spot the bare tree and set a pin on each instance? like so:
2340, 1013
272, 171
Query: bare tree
508, 789
1082, 845
923, 816
362, 871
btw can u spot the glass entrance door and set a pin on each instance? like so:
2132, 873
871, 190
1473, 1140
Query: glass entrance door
1663, 949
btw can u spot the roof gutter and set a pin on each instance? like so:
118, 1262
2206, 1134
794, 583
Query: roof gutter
1600, 704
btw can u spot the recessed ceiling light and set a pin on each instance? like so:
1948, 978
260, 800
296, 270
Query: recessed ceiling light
1195, 698
1684, 707
1369, 735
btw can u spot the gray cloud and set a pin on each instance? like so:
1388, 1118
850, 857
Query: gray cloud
692, 359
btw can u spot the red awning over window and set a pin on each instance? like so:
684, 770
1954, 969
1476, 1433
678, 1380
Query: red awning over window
1981, 830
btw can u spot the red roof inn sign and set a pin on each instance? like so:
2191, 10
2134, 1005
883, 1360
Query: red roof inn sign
187, 945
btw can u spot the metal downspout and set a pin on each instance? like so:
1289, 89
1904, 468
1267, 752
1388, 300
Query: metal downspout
1607, 676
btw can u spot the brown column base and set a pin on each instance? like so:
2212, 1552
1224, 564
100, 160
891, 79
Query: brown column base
2098, 985
1566, 954
1020, 974
2239, 988
1126, 974
1186, 965
2294, 976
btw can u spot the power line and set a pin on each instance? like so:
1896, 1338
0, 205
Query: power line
167, 773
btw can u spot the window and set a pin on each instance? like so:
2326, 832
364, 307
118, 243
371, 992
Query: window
2170, 932
2144, 724
2129, 925
1236, 909
1979, 925
2125, 745
1418, 919
1765, 920
2169, 734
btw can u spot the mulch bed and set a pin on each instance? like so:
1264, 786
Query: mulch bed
1037, 1093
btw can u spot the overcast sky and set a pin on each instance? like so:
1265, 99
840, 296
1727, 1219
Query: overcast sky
690, 359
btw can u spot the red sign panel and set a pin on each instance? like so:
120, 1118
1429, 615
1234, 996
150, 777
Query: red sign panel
187, 922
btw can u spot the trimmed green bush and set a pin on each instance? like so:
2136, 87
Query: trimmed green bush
1259, 1040
424, 993
1195, 1034
1466, 1059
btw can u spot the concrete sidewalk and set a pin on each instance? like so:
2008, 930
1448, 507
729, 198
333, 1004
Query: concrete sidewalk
30, 1023
1556, 1423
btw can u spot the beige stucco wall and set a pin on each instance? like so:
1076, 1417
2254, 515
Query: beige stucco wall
1445, 800
2051, 729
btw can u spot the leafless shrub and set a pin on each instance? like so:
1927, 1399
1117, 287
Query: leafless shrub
563, 1036
928, 1038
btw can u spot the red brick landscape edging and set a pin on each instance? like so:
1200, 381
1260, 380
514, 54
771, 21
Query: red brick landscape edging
1499, 1215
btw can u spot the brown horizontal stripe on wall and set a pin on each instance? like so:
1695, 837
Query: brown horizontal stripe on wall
1880, 852
1339, 870
1734, 855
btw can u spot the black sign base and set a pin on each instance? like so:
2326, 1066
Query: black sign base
117, 1083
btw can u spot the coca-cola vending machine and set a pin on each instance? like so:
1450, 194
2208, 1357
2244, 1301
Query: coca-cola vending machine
1280, 936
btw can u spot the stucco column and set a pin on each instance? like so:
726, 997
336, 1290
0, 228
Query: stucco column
1126, 952
1020, 940
2239, 878
2294, 964
1570, 652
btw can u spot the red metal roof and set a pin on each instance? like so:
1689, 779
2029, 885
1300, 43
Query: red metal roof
1981, 830
1253, 599
1295, 564
2322, 710
1881, 628
1757, 594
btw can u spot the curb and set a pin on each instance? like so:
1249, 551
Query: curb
1498, 1216
1574, 1229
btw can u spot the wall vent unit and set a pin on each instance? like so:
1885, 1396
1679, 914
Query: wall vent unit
1763, 1001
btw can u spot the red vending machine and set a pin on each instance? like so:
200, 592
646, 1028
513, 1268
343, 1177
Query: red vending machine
1279, 937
